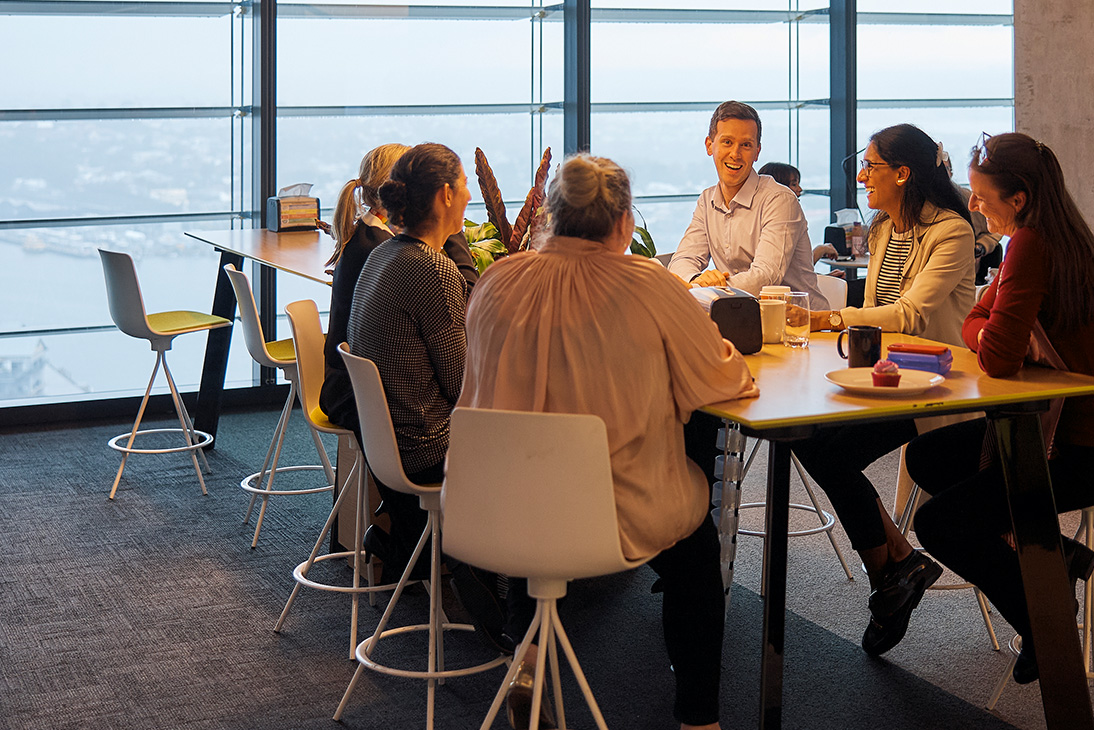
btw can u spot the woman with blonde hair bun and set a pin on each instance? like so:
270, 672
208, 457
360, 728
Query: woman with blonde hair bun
554, 331
360, 225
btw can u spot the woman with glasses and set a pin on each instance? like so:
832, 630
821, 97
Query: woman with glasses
919, 282
1038, 309
920, 278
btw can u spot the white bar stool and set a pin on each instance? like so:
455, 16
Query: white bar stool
308, 341
123, 292
279, 354
382, 451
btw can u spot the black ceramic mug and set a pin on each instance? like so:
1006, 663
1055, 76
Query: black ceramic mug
863, 346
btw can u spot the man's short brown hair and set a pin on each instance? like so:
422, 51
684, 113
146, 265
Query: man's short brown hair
734, 110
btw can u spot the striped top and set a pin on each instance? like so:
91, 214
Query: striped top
891, 273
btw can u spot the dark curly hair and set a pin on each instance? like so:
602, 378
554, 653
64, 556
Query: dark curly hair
415, 179
906, 145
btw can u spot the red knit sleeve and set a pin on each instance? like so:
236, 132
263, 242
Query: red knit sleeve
1018, 294
978, 317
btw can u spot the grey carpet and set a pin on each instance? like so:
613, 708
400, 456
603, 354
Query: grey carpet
153, 611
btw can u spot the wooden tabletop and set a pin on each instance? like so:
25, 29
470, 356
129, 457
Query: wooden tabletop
304, 253
793, 391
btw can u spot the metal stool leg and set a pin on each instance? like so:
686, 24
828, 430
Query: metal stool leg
1015, 650
820, 515
904, 524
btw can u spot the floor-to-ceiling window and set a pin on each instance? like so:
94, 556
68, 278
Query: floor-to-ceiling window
946, 66
660, 69
120, 128
129, 123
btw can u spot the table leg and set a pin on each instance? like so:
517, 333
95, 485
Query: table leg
207, 411
1064, 691
774, 623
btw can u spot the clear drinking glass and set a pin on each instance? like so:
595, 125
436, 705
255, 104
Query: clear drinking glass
796, 333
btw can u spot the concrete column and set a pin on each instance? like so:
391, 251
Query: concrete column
1054, 86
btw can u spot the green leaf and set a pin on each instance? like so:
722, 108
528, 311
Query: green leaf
490, 245
642, 245
482, 259
475, 232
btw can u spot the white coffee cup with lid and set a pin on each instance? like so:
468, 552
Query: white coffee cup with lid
774, 292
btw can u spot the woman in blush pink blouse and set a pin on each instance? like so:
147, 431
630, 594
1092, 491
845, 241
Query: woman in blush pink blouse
580, 327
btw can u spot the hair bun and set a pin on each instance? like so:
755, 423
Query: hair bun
393, 193
583, 181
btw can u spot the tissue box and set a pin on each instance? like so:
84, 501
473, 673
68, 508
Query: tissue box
737, 314
291, 213
920, 361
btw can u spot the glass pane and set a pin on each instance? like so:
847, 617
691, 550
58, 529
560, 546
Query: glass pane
969, 62
715, 4
67, 62
82, 168
333, 61
957, 129
327, 151
59, 270
643, 62
937, 6
664, 153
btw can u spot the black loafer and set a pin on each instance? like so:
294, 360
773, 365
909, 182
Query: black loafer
1025, 667
892, 603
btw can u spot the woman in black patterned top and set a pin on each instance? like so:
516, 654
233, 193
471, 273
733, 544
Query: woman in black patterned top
360, 225
407, 316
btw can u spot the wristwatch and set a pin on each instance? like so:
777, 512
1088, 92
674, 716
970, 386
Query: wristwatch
835, 320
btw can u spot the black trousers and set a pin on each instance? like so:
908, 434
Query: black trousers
692, 617
964, 523
836, 457
407, 522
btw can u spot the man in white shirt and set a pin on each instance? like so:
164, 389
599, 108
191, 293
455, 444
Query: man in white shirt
752, 227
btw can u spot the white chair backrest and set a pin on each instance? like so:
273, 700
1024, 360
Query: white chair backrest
377, 432
531, 494
834, 290
123, 292
308, 339
248, 316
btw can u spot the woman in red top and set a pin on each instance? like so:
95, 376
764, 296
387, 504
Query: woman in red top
1037, 310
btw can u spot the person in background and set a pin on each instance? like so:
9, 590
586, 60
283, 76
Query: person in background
1038, 309
919, 282
360, 225
752, 228
988, 251
789, 176
553, 332
407, 316
784, 174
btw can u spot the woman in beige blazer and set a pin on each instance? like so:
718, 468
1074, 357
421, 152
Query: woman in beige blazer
919, 282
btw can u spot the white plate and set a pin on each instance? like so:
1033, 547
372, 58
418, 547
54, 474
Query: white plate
861, 381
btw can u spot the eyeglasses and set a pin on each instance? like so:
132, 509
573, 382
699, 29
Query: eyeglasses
980, 151
868, 166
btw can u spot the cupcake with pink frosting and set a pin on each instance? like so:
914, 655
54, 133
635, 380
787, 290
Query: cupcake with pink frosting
886, 373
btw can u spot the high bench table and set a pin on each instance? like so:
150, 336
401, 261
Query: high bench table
795, 400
